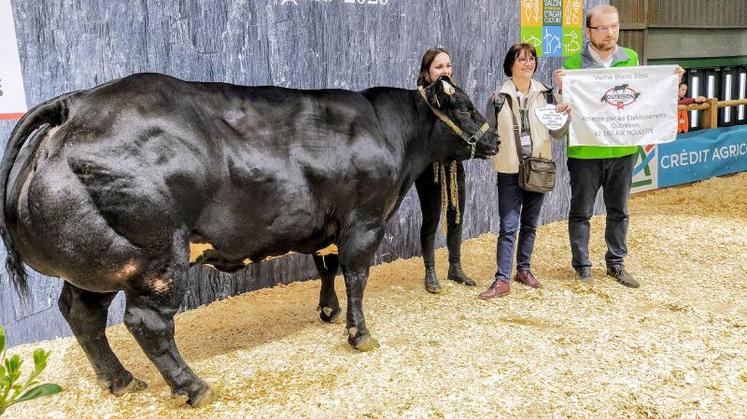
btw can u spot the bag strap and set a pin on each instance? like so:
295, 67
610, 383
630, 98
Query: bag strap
516, 128
548, 93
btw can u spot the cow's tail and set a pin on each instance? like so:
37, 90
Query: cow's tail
51, 113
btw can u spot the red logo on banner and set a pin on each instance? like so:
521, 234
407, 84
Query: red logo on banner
620, 96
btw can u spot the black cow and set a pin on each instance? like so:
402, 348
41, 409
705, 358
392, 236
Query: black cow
106, 188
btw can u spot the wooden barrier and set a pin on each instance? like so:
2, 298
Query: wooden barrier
709, 116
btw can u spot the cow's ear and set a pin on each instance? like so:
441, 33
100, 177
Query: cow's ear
445, 78
447, 87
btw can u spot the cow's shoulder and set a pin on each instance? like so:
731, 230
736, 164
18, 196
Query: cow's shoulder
334, 96
378, 93
386, 100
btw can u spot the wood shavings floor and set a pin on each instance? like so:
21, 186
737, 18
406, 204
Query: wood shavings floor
677, 346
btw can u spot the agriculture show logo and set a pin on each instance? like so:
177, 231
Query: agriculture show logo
620, 96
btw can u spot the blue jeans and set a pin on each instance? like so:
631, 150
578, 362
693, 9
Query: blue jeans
519, 211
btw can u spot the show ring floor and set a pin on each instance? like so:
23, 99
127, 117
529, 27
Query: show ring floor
676, 346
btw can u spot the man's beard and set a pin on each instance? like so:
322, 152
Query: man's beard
602, 47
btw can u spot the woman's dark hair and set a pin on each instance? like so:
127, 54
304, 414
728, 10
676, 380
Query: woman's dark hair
514, 52
424, 78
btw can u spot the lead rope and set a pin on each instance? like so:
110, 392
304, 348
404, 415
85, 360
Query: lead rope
455, 191
444, 199
448, 193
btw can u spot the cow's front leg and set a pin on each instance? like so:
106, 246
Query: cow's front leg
149, 316
329, 306
356, 251
86, 314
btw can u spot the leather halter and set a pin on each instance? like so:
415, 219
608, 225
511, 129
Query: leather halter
470, 139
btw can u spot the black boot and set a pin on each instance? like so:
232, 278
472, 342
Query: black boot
431, 280
457, 275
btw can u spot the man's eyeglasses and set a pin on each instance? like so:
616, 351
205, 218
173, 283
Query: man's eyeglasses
613, 28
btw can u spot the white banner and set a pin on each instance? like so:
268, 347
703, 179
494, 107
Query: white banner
622, 106
12, 95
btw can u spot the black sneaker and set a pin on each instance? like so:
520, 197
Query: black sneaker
583, 274
622, 276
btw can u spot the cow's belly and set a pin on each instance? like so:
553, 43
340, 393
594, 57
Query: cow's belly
204, 253
243, 226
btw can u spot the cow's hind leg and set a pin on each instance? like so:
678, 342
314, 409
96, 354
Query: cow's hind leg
86, 313
150, 319
152, 302
329, 306
357, 248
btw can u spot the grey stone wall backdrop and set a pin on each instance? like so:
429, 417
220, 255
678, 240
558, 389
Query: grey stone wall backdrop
75, 44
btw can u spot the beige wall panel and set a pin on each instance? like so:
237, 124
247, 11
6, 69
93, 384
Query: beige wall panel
696, 43
698, 13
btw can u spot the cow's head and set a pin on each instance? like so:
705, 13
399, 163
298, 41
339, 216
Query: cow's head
463, 124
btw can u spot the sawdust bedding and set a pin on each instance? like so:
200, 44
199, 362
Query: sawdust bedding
677, 346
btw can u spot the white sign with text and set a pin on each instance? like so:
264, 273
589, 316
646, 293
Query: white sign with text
622, 106
12, 95
550, 118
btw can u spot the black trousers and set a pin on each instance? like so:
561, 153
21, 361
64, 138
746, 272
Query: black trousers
429, 194
587, 176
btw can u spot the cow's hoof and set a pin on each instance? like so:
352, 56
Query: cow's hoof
206, 396
133, 386
362, 342
329, 314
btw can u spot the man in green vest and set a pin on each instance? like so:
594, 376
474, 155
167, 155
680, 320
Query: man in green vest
592, 167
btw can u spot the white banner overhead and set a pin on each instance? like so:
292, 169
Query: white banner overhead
622, 106
12, 95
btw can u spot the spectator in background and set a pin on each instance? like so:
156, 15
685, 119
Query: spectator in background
683, 122
684, 100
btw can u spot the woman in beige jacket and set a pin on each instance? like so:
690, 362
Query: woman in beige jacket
519, 209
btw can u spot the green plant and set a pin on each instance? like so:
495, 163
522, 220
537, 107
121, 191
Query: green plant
12, 391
